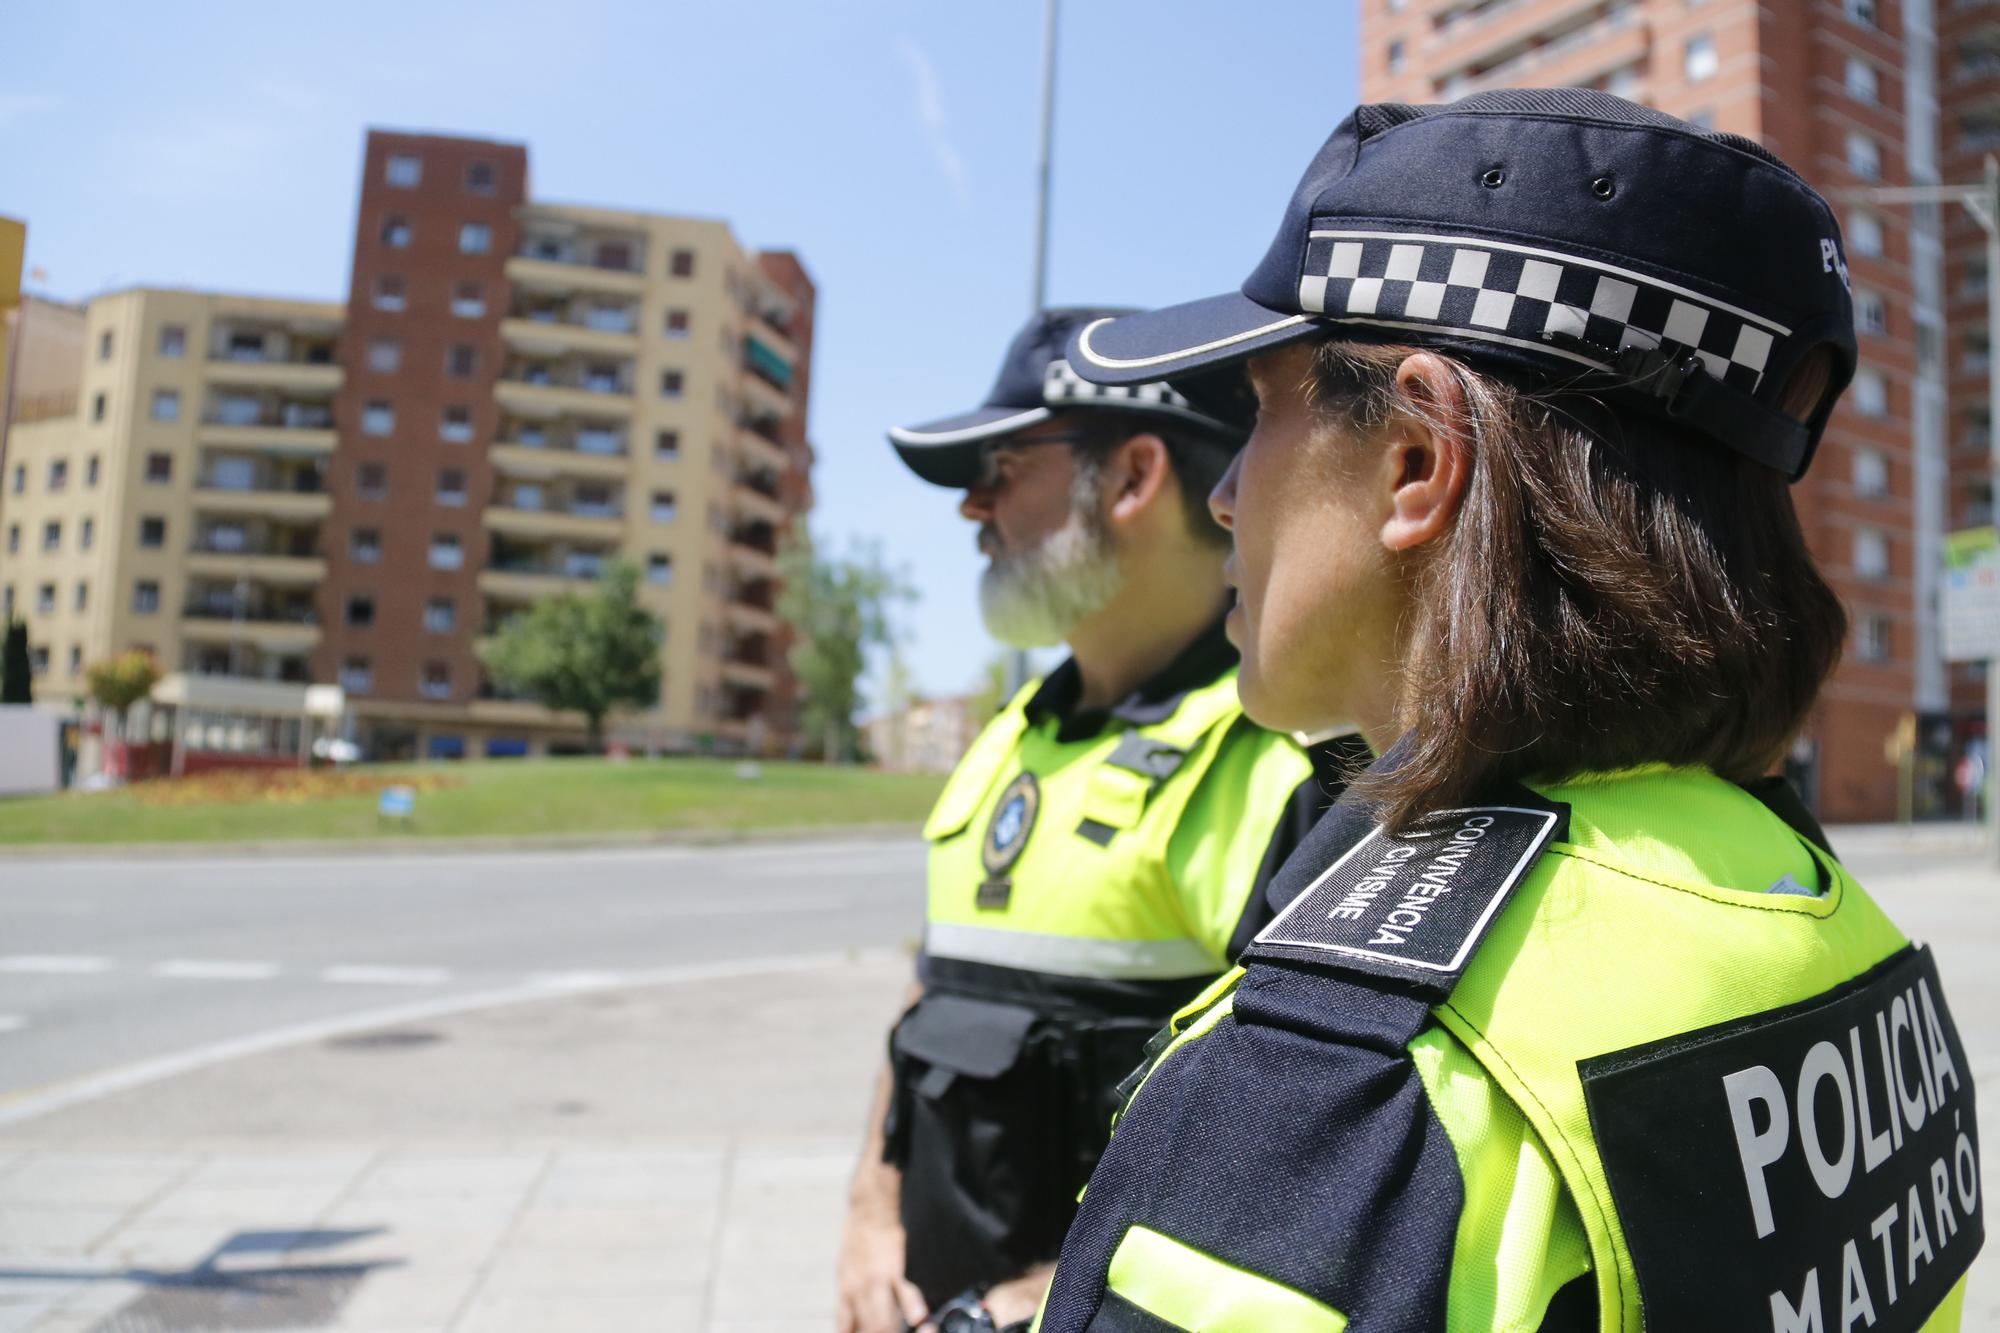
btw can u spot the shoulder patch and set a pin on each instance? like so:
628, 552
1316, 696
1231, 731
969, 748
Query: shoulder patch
1413, 907
1814, 1167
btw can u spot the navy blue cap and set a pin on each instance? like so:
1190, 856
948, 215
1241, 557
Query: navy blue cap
1035, 383
1594, 243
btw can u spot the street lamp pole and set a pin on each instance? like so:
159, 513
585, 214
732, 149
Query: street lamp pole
1982, 201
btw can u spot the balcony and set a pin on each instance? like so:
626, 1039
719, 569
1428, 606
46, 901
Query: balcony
299, 496
546, 523
261, 350
549, 331
250, 613
756, 561
748, 675
574, 386
764, 361
269, 421
759, 450
754, 503
547, 461
559, 256
531, 582
749, 618
763, 399
227, 552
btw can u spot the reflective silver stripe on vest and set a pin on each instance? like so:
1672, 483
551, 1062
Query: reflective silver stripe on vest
1070, 955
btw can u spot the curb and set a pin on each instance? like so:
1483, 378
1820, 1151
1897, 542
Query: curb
418, 844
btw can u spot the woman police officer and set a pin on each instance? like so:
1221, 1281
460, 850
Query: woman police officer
1573, 1020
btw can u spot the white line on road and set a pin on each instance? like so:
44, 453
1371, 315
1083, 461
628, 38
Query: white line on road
215, 969
363, 974
577, 980
12, 1022
54, 964
16, 1107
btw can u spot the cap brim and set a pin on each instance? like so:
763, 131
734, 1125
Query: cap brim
946, 452
1183, 339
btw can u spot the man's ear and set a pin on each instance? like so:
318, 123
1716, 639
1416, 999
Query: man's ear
1135, 474
1426, 462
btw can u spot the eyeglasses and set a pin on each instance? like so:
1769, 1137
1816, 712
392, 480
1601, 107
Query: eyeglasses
995, 466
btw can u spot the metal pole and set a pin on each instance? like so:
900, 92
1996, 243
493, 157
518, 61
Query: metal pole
1017, 660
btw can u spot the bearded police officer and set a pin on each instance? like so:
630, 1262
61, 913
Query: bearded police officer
1573, 1020
1100, 853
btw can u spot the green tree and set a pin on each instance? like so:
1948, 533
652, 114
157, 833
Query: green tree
17, 674
119, 682
588, 654
838, 608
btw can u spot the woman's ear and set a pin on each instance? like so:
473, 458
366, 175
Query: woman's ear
1427, 457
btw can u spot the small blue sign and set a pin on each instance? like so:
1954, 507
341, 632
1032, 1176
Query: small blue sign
397, 803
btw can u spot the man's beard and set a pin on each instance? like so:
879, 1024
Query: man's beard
1035, 598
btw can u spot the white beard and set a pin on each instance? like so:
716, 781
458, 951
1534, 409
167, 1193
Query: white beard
1035, 599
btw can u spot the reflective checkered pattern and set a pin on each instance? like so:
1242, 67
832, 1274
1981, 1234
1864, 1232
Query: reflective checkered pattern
1567, 305
1063, 385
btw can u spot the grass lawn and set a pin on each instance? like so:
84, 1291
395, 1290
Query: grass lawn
503, 798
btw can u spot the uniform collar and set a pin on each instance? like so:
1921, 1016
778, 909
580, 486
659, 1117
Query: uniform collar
1205, 659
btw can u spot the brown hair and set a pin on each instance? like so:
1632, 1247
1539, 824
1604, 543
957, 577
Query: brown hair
1615, 591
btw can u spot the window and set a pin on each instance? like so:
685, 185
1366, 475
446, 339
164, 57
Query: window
451, 486
1973, 284
1871, 553
378, 418
1871, 637
20, 477
667, 446
468, 300
224, 537
1395, 57
364, 546
86, 534
1698, 59
82, 599
385, 355
371, 480
404, 171
232, 474
391, 292
1871, 312
75, 659
166, 405
360, 613
1861, 80
441, 615
1861, 11
92, 467
461, 360
173, 341
1871, 473
45, 600
677, 323
659, 568
13, 538
475, 238
58, 473
98, 405
446, 552
1864, 233
357, 676
104, 345
480, 177
396, 232
672, 384
38, 660
1864, 156
1870, 393
152, 532
527, 495
593, 500
602, 377
145, 597
663, 508
52, 535
681, 265
436, 682
1624, 83
600, 440
456, 425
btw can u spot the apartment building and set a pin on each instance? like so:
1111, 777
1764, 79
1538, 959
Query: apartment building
1847, 92
272, 494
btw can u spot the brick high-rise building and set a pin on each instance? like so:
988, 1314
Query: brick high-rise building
269, 495
1848, 93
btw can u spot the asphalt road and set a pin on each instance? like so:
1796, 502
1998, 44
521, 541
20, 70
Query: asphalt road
108, 964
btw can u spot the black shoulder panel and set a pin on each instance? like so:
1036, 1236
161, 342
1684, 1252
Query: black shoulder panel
1814, 1167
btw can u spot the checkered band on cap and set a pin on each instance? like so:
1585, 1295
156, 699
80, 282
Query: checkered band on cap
1062, 386
1555, 304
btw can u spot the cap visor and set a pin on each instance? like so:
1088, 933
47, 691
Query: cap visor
1182, 339
946, 452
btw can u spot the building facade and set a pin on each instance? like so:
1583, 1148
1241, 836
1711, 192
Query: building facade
1849, 93
278, 493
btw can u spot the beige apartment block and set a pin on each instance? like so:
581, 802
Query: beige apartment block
176, 506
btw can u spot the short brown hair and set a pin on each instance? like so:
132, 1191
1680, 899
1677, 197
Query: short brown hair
1615, 591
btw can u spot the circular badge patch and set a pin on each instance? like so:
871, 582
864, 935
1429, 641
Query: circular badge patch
1013, 820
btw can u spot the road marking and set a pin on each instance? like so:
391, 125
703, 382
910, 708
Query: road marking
54, 964
577, 980
12, 1022
215, 969
364, 974
20, 1106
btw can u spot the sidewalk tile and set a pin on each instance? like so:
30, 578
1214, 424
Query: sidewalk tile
463, 1174
428, 1294
277, 1170
677, 1311
597, 1272
243, 1208
38, 1229
84, 1179
570, 1229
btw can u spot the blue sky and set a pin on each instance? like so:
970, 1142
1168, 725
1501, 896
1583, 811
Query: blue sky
892, 144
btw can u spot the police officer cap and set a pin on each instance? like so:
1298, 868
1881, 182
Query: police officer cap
1593, 243
1035, 383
